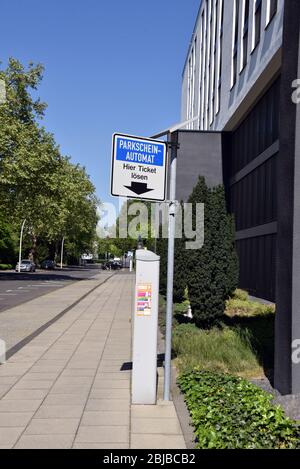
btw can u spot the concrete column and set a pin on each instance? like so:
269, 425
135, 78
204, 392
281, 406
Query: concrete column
287, 327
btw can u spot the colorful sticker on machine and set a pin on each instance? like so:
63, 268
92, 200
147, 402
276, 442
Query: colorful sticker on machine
144, 299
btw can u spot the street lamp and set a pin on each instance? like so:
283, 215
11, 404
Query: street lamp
62, 253
20, 246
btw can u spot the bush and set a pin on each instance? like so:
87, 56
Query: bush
162, 251
231, 413
240, 305
180, 281
213, 270
5, 266
239, 294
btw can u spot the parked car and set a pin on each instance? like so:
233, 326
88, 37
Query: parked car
112, 265
26, 266
48, 264
116, 265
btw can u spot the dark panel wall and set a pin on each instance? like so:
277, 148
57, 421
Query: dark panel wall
258, 265
252, 193
246, 162
287, 324
253, 198
258, 131
199, 154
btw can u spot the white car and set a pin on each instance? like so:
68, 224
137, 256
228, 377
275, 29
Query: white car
26, 266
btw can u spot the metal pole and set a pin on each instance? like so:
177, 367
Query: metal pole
62, 253
171, 246
20, 246
156, 224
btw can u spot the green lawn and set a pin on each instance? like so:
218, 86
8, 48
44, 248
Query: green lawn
243, 343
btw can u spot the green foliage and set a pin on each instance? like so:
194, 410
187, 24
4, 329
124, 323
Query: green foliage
5, 266
246, 308
222, 349
162, 251
231, 413
7, 242
239, 305
55, 196
180, 271
179, 279
258, 319
239, 294
182, 307
212, 270
123, 236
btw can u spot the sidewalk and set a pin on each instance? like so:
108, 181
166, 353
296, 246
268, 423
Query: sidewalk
69, 387
19, 322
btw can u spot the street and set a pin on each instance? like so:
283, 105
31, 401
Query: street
16, 288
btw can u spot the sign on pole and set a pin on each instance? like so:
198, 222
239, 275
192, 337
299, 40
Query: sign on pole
139, 168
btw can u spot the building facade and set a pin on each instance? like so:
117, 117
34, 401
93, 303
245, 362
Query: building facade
237, 87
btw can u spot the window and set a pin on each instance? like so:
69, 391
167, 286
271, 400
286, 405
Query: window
244, 57
201, 49
205, 47
213, 59
194, 79
188, 103
191, 83
236, 13
208, 63
257, 22
203, 55
272, 8
220, 57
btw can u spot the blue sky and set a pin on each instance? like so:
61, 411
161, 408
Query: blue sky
109, 66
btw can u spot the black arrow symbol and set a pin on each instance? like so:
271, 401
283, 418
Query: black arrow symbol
138, 188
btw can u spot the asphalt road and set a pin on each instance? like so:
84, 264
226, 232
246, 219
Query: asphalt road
16, 288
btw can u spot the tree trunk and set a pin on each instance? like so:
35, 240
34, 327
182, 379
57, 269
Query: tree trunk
32, 252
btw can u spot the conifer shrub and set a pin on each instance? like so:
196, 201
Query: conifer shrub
212, 271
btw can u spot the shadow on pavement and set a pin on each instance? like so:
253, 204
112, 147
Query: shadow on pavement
127, 366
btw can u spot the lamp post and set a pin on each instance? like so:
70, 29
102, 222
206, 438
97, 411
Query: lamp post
62, 253
20, 246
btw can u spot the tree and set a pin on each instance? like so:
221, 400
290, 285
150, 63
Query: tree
213, 270
162, 251
180, 258
8, 242
179, 279
142, 227
55, 196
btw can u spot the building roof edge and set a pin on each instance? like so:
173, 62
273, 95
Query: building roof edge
192, 36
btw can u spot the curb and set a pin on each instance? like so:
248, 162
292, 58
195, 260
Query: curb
178, 401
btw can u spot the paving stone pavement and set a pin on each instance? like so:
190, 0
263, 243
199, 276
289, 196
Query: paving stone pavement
19, 322
69, 388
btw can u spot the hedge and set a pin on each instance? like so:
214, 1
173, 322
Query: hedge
5, 266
